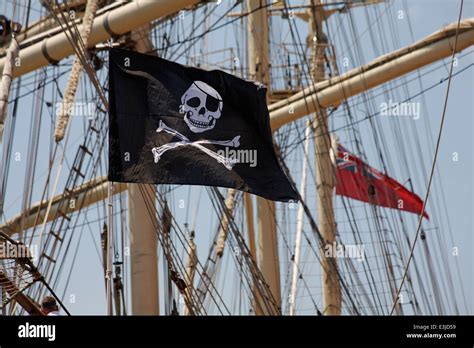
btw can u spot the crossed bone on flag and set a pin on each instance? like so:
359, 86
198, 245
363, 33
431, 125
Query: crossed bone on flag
159, 151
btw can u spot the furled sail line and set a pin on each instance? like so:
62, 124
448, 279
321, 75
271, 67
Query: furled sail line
70, 93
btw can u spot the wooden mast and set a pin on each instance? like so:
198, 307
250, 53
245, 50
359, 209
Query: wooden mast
267, 247
325, 180
143, 228
87, 194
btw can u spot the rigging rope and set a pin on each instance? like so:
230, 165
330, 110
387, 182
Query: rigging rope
438, 142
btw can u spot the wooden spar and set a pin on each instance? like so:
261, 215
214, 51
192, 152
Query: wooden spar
47, 26
299, 223
333, 91
258, 64
6, 81
325, 180
42, 25
86, 194
114, 23
143, 225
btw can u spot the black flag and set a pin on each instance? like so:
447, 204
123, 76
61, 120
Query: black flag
171, 124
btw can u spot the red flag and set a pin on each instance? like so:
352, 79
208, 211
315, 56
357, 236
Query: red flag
356, 179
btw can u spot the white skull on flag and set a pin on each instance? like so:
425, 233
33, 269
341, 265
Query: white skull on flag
202, 107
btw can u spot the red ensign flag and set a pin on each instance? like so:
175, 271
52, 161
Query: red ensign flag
357, 180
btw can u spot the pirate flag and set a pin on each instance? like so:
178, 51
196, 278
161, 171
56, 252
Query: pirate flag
171, 124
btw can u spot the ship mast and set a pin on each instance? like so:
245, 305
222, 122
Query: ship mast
325, 180
258, 65
143, 227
